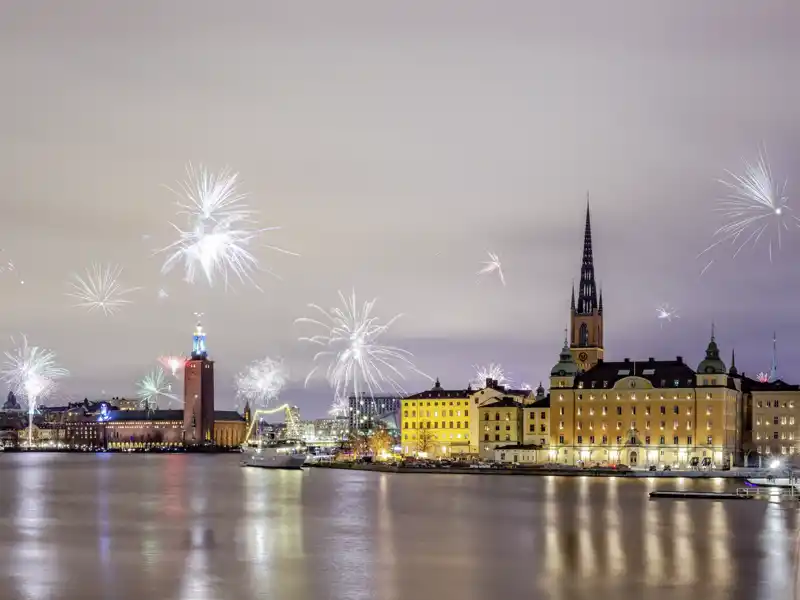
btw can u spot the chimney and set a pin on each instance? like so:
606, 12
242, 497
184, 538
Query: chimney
627, 360
651, 359
489, 383
599, 361
680, 360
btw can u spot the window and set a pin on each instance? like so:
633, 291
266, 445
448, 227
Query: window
619, 410
619, 424
675, 424
541, 415
676, 383
532, 428
647, 424
605, 411
485, 416
663, 410
661, 440
405, 413
591, 439
496, 416
580, 411
466, 413
619, 440
689, 440
580, 439
709, 440
633, 410
675, 440
775, 436
676, 410
663, 424
486, 437
605, 439
583, 335
561, 411
508, 427
561, 439
647, 411
647, 440
508, 437
496, 437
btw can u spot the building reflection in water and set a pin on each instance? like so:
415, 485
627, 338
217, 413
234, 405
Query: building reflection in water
553, 554
612, 520
718, 562
654, 532
35, 567
776, 568
684, 559
586, 555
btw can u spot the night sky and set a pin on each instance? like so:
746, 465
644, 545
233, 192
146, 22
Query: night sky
397, 143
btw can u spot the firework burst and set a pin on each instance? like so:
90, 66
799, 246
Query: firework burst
490, 371
261, 382
358, 364
756, 207
762, 377
491, 266
666, 313
220, 233
173, 363
100, 289
32, 373
153, 387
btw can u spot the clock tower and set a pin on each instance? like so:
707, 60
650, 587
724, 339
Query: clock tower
198, 393
586, 316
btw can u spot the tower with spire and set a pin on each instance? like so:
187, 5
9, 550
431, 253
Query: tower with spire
586, 315
773, 371
198, 393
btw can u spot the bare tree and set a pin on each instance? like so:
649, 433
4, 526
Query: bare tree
425, 440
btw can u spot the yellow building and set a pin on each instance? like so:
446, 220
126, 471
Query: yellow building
774, 415
443, 423
536, 424
500, 424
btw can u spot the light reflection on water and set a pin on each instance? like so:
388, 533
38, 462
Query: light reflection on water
200, 527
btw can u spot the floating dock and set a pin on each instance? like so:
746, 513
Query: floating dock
679, 495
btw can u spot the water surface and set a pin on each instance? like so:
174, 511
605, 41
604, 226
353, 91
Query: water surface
133, 527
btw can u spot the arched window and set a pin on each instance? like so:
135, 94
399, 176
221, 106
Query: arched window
583, 335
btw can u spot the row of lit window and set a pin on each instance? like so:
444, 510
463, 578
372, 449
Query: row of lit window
506, 417
675, 383
662, 425
604, 411
435, 403
768, 450
440, 437
435, 425
777, 435
775, 404
647, 440
435, 413
497, 437
496, 428
776, 420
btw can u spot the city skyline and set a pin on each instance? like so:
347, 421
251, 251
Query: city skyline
395, 174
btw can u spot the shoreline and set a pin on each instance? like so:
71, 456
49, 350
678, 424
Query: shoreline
523, 472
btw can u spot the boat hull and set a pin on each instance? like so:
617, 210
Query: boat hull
274, 461
775, 482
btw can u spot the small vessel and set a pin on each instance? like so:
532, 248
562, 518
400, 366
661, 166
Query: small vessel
275, 454
775, 482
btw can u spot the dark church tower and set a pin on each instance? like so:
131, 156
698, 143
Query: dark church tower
586, 317
198, 393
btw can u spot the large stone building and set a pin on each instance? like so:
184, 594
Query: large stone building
637, 412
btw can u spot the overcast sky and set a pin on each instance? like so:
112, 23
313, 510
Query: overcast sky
396, 143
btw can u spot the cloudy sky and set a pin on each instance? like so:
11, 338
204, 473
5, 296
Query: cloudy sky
396, 143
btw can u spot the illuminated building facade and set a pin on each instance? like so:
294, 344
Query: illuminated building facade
198, 393
362, 411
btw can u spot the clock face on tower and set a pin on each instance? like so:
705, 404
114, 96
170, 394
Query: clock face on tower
583, 356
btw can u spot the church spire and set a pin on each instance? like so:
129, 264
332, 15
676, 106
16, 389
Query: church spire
773, 372
587, 291
733, 371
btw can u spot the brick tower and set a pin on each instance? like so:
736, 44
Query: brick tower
198, 393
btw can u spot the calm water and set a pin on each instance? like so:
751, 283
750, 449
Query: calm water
197, 527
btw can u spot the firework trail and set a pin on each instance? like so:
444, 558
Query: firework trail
220, 230
261, 382
763, 377
492, 265
756, 207
339, 408
666, 313
358, 364
491, 371
163, 294
100, 289
153, 387
525, 386
31, 372
174, 363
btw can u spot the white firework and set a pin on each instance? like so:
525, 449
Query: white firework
163, 294
491, 371
526, 386
755, 208
100, 289
666, 313
493, 265
262, 381
220, 232
173, 362
32, 373
152, 388
339, 408
358, 364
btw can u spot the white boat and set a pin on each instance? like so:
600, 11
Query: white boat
774, 482
280, 454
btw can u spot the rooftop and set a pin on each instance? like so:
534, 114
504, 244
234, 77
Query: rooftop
661, 373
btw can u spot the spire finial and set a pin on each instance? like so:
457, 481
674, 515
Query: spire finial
712, 331
566, 344
587, 289
773, 372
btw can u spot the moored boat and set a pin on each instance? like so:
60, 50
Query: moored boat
275, 454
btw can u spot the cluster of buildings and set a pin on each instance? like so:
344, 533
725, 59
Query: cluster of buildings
597, 412
119, 425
